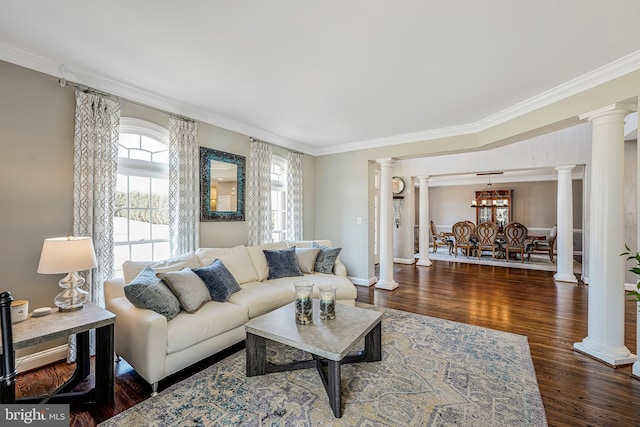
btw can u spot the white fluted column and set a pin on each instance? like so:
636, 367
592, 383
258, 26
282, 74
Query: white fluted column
605, 339
564, 238
386, 226
423, 238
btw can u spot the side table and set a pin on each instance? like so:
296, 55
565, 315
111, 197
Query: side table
36, 330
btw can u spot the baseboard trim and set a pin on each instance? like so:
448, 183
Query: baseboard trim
404, 260
364, 282
41, 358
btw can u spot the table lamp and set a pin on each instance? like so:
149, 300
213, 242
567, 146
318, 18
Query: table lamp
68, 255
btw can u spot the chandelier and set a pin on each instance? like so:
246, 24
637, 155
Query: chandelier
488, 196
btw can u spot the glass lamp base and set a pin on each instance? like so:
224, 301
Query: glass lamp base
73, 297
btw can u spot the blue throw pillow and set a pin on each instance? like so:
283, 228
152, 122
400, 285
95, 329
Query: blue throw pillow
148, 291
219, 280
326, 259
282, 263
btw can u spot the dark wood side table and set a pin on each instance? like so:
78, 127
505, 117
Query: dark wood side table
36, 330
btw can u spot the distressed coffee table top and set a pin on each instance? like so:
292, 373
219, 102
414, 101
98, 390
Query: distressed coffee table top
331, 339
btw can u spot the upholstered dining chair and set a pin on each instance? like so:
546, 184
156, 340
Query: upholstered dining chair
514, 235
463, 231
487, 232
440, 239
544, 246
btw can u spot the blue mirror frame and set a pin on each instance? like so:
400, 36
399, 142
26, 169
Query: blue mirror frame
206, 156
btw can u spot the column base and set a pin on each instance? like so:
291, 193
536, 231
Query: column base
387, 285
426, 262
612, 356
562, 277
635, 370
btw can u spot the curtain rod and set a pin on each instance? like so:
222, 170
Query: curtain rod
64, 83
254, 139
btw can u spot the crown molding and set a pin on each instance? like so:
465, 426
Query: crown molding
85, 77
615, 69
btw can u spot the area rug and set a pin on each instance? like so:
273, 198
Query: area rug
433, 372
537, 261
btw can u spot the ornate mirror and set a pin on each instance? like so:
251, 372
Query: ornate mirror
222, 178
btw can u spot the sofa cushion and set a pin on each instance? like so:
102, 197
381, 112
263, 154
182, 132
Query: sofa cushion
236, 259
218, 279
326, 258
306, 258
148, 291
187, 286
345, 290
259, 260
131, 269
282, 263
259, 298
213, 319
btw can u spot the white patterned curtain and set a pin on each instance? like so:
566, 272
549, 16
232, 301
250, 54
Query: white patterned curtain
184, 190
294, 196
95, 171
95, 166
258, 203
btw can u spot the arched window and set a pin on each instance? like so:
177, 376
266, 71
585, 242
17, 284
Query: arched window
278, 198
141, 218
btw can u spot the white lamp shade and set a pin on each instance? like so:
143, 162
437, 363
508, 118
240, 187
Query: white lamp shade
67, 255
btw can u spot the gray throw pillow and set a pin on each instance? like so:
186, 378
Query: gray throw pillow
187, 286
307, 259
218, 279
326, 258
282, 263
147, 291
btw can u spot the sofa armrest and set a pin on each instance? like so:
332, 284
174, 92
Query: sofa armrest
140, 338
339, 269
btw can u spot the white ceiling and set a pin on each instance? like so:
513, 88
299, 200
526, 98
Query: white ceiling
332, 75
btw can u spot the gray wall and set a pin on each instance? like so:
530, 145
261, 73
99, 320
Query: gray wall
534, 203
36, 167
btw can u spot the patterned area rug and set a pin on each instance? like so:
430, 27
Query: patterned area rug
537, 262
433, 372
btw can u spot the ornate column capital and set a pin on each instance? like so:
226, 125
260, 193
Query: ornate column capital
609, 110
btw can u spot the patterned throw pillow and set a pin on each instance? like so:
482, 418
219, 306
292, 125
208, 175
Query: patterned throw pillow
218, 279
282, 263
326, 258
187, 286
147, 291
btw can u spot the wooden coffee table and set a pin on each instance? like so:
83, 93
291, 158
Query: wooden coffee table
329, 342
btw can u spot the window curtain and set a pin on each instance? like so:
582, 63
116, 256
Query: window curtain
184, 190
294, 196
258, 202
95, 170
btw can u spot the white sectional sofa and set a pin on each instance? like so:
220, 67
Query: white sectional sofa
157, 347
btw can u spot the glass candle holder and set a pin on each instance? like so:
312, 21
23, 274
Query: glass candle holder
327, 302
304, 301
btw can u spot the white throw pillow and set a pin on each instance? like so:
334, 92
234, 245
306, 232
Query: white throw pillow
236, 259
131, 269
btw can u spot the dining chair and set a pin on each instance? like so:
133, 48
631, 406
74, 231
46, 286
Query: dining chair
515, 235
463, 232
487, 233
544, 246
440, 239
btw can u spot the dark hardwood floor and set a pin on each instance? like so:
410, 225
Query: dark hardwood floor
576, 390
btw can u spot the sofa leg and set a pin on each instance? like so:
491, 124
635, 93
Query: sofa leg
154, 389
